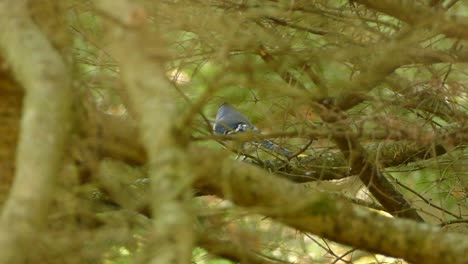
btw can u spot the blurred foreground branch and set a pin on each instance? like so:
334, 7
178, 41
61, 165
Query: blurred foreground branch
45, 124
151, 100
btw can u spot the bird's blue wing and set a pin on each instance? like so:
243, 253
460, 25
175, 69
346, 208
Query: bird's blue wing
229, 120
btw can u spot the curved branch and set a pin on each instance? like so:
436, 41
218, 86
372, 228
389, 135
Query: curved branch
323, 215
368, 172
40, 69
414, 13
151, 100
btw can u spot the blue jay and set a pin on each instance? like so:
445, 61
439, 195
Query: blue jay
230, 121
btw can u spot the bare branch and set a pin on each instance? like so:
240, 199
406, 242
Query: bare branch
45, 125
367, 170
150, 92
322, 215
416, 14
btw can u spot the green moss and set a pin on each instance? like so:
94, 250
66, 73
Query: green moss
321, 206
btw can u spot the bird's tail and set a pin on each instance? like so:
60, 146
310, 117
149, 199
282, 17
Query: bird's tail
270, 145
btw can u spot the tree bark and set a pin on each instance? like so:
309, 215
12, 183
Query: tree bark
151, 100
323, 215
45, 124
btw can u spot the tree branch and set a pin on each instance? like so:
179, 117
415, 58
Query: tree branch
417, 14
151, 100
368, 171
118, 139
322, 215
45, 124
